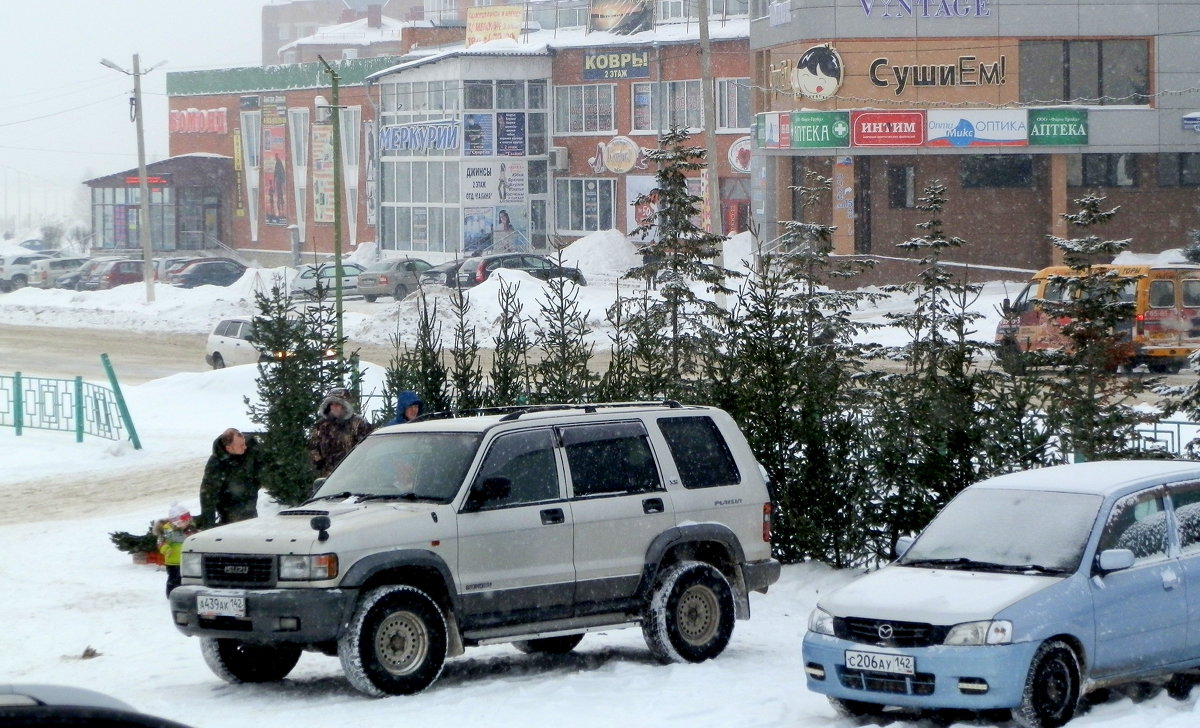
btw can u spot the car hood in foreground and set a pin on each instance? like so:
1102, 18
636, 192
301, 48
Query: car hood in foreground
935, 596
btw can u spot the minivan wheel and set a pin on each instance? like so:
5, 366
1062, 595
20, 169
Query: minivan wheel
690, 615
1051, 688
549, 645
396, 643
236, 661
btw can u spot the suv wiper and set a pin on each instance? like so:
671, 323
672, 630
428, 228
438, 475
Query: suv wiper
332, 496
393, 496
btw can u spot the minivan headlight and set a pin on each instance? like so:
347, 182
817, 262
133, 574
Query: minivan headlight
820, 622
989, 632
306, 567
191, 565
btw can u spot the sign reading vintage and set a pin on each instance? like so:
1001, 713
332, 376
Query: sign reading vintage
604, 65
931, 9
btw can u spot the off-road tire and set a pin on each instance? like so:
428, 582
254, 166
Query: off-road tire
549, 645
1051, 693
396, 643
236, 661
690, 615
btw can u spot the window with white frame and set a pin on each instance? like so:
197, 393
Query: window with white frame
583, 205
669, 10
645, 113
733, 103
585, 109
685, 108
440, 9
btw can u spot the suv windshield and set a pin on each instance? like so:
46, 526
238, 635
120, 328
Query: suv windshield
1008, 530
413, 466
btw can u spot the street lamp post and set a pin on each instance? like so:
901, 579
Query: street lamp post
143, 185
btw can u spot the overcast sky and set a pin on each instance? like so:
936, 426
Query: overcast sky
65, 118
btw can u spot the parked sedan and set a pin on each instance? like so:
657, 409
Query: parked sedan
110, 274
395, 278
442, 275
1024, 591
205, 272
324, 276
476, 270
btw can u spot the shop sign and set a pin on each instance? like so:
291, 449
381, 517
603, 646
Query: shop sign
494, 183
930, 9
619, 156
817, 75
819, 129
739, 155
420, 135
603, 65
494, 23
887, 128
1050, 127
966, 71
976, 128
199, 121
510, 133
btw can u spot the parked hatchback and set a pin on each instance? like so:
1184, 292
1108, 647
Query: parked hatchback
395, 278
229, 344
1026, 590
110, 274
205, 272
476, 270
14, 269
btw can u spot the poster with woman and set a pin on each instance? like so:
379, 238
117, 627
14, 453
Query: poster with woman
477, 230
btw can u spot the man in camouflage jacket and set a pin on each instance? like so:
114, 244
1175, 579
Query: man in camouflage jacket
336, 432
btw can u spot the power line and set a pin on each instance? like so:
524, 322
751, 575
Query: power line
64, 111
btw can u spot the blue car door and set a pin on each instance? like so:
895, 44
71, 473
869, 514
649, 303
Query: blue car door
1141, 612
1185, 500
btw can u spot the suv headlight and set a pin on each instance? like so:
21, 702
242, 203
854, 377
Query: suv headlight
306, 567
191, 565
990, 632
820, 622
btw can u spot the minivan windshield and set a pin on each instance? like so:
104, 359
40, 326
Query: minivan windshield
1024, 531
418, 466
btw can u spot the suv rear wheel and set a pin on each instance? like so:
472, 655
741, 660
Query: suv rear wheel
690, 616
396, 644
236, 661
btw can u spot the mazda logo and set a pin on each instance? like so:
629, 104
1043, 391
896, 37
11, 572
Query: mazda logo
885, 631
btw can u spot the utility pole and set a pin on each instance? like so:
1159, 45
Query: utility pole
710, 137
143, 185
337, 203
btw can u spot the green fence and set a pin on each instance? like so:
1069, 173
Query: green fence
66, 405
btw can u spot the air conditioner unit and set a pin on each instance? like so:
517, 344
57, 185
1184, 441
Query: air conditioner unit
558, 159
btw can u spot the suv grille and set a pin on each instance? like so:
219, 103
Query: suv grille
885, 633
881, 682
225, 569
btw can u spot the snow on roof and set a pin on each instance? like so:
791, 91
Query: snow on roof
546, 41
356, 32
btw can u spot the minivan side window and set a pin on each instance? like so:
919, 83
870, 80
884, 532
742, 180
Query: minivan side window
1191, 293
1186, 499
700, 453
1138, 522
610, 459
526, 461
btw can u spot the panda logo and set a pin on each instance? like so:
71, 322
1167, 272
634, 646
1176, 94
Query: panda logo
818, 73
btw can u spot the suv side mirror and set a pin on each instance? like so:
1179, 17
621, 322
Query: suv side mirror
491, 489
1115, 560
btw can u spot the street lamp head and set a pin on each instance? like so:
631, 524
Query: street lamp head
160, 64
115, 67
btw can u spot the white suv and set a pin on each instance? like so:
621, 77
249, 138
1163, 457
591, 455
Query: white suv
15, 269
531, 527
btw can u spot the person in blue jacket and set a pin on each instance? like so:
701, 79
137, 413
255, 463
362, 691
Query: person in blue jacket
409, 406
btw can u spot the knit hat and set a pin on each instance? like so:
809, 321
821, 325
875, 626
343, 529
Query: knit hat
179, 513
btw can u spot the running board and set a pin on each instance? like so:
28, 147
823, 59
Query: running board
552, 628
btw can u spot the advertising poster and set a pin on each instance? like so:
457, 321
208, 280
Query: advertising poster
639, 186
322, 173
510, 231
479, 135
370, 143
494, 183
494, 23
510, 134
976, 128
275, 182
477, 229
622, 17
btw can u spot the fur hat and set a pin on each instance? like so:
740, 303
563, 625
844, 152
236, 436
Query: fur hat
337, 395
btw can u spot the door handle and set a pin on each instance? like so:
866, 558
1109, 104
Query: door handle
1170, 579
653, 505
552, 516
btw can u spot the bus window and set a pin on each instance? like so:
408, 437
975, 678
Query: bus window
1162, 294
1191, 293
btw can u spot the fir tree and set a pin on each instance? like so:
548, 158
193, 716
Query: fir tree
510, 352
616, 384
466, 372
1090, 403
680, 255
562, 374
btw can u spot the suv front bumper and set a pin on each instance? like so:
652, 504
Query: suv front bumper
274, 615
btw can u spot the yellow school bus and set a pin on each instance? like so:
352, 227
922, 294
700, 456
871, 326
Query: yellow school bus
1163, 330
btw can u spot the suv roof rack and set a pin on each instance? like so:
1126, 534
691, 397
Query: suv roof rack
513, 412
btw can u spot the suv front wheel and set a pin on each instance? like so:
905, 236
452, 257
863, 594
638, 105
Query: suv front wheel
396, 644
691, 614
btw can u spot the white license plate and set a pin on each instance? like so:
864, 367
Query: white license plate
211, 605
879, 662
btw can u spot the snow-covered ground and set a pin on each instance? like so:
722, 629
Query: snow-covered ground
78, 612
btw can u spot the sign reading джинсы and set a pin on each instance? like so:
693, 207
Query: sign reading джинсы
922, 128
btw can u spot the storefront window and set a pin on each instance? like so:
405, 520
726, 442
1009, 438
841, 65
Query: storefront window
583, 205
1179, 169
584, 108
1102, 170
996, 170
537, 94
478, 94
510, 94
1101, 72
